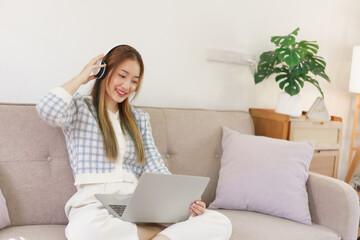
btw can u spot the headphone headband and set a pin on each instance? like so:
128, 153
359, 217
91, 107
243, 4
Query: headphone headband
103, 71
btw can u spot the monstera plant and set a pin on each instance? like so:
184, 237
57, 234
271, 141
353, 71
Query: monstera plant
293, 63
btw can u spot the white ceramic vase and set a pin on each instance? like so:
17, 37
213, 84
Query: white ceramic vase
289, 105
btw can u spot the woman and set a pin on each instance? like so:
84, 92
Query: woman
110, 145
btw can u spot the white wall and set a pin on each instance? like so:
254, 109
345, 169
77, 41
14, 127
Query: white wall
45, 43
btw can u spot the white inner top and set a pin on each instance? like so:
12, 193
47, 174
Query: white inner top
115, 121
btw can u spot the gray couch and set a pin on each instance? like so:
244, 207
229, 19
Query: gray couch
36, 178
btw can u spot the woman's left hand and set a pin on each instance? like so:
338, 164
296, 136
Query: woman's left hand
197, 208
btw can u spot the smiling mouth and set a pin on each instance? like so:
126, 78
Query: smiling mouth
120, 93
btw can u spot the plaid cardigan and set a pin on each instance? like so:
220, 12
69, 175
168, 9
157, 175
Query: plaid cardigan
76, 115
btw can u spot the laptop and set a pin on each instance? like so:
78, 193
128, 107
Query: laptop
158, 198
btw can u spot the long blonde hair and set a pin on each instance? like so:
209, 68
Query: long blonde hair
116, 56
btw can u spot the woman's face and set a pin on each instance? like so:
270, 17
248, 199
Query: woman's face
123, 82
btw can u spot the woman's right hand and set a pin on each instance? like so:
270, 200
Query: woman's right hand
85, 75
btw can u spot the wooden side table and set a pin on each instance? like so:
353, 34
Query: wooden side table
325, 134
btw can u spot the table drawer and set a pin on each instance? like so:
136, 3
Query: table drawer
325, 162
326, 135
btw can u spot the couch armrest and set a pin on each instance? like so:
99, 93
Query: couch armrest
333, 204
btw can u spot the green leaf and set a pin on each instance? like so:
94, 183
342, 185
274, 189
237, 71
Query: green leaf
301, 69
262, 75
299, 81
317, 67
265, 66
282, 84
281, 77
310, 47
321, 73
292, 57
291, 83
315, 83
263, 72
295, 32
268, 57
292, 89
324, 76
283, 41
318, 62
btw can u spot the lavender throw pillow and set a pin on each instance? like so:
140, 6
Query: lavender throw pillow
264, 175
4, 214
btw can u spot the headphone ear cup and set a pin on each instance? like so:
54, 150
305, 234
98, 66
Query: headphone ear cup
101, 71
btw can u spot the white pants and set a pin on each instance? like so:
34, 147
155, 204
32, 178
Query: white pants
89, 220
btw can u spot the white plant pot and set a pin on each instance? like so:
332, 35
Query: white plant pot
289, 105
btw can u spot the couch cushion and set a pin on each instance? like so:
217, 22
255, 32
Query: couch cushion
36, 232
264, 175
255, 226
35, 174
192, 143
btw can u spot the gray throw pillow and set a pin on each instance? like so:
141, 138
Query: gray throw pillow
264, 175
4, 214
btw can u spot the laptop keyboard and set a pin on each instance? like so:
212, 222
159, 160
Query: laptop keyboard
119, 209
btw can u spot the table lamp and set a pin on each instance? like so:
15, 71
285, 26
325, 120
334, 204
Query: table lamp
354, 87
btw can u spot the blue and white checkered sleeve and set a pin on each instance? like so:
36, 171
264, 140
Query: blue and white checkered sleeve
153, 160
57, 107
